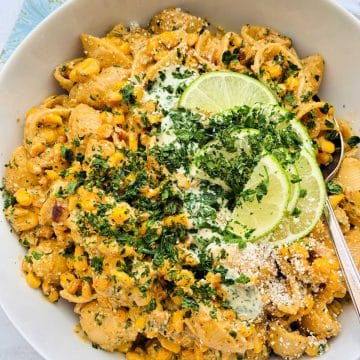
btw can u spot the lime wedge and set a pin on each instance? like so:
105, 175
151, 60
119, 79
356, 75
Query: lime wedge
220, 90
215, 150
255, 218
310, 205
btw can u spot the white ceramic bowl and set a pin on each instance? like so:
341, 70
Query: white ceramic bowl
315, 26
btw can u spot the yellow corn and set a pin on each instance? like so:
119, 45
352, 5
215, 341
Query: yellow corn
326, 145
106, 117
51, 175
180, 219
72, 202
132, 355
177, 322
115, 97
121, 214
140, 323
116, 159
32, 280
52, 119
152, 45
133, 141
139, 93
292, 83
160, 55
66, 279
154, 118
185, 278
49, 135
125, 48
323, 158
104, 131
84, 69
163, 354
169, 39
53, 296
119, 118
23, 197
274, 70
336, 199
192, 39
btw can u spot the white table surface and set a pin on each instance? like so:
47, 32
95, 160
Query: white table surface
12, 345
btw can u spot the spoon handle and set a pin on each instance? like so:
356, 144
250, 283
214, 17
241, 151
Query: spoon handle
348, 266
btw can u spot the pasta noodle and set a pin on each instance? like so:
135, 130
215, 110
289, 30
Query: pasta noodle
100, 214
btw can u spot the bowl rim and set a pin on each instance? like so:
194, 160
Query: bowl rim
28, 38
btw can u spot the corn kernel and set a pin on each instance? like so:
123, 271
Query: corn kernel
336, 199
152, 45
274, 70
185, 278
119, 118
133, 141
121, 214
104, 131
192, 39
323, 158
32, 280
84, 69
125, 48
23, 197
51, 175
326, 145
116, 159
106, 117
163, 354
160, 55
292, 83
140, 323
139, 93
181, 219
169, 39
49, 135
177, 322
134, 356
53, 296
154, 118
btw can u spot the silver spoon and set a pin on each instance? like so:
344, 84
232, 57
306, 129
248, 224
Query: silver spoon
350, 271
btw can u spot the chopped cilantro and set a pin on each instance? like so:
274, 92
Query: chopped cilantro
128, 94
333, 187
353, 141
97, 264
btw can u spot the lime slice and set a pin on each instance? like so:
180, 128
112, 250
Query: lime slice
303, 134
253, 218
292, 172
214, 149
220, 90
310, 205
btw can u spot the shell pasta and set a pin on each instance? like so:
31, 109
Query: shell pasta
113, 222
